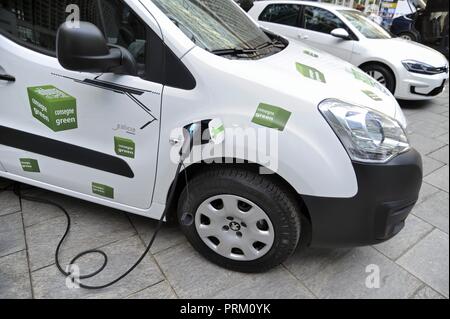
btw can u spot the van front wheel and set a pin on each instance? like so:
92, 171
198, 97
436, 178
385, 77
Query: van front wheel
239, 219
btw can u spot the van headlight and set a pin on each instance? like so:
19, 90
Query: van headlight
367, 135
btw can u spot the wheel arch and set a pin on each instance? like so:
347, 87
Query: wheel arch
383, 64
189, 172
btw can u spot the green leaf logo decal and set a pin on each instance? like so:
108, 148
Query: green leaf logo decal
53, 107
30, 165
360, 76
310, 72
271, 116
124, 147
103, 190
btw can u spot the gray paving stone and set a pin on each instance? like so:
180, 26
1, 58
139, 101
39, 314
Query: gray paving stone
439, 178
437, 106
92, 226
330, 274
444, 138
9, 203
429, 129
426, 192
14, 277
35, 213
425, 145
430, 165
427, 293
277, 284
169, 235
429, 261
427, 116
192, 276
50, 283
435, 210
161, 290
415, 229
408, 111
440, 155
316, 260
12, 237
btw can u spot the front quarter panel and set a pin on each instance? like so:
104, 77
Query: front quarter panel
309, 156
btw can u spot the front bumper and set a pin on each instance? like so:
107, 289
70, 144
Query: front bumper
386, 195
414, 86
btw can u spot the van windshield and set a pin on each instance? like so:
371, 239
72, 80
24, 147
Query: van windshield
214, 25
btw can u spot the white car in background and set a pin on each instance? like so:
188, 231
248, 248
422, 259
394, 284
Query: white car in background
409, 70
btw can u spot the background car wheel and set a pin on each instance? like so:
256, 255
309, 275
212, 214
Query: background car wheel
382, 74
239, 219
408, 36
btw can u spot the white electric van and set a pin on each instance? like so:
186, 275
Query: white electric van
91, 109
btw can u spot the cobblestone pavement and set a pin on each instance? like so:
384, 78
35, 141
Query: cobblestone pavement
415, 264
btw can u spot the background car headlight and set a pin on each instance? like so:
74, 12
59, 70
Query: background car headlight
367, 135
420, 67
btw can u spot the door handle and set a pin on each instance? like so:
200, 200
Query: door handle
7, 77
303, 37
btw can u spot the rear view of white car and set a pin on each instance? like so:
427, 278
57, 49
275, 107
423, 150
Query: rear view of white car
409, 70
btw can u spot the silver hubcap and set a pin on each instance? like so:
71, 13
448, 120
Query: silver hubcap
234, 227
406, 37
377, 76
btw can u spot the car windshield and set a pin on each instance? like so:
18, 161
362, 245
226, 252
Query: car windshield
368, 28
214, 25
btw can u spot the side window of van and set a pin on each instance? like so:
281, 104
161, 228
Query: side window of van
34, 23
123, 27
320, 20
286, 14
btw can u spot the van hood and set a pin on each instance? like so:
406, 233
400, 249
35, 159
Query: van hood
397, 49
300, 70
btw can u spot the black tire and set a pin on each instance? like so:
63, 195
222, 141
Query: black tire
279, 204
409, 35
389, 77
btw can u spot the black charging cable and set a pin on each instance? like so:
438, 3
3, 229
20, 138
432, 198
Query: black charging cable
16, 188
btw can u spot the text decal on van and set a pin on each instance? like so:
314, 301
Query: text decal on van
372, 95
103, 190
311, 53
124, 147
310, 72
30, 165
53, 107
271, 116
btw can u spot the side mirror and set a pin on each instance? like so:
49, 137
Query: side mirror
341, 34
85, 49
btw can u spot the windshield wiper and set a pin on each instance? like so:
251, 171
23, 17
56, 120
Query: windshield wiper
234, 51
276, 44
251, 51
